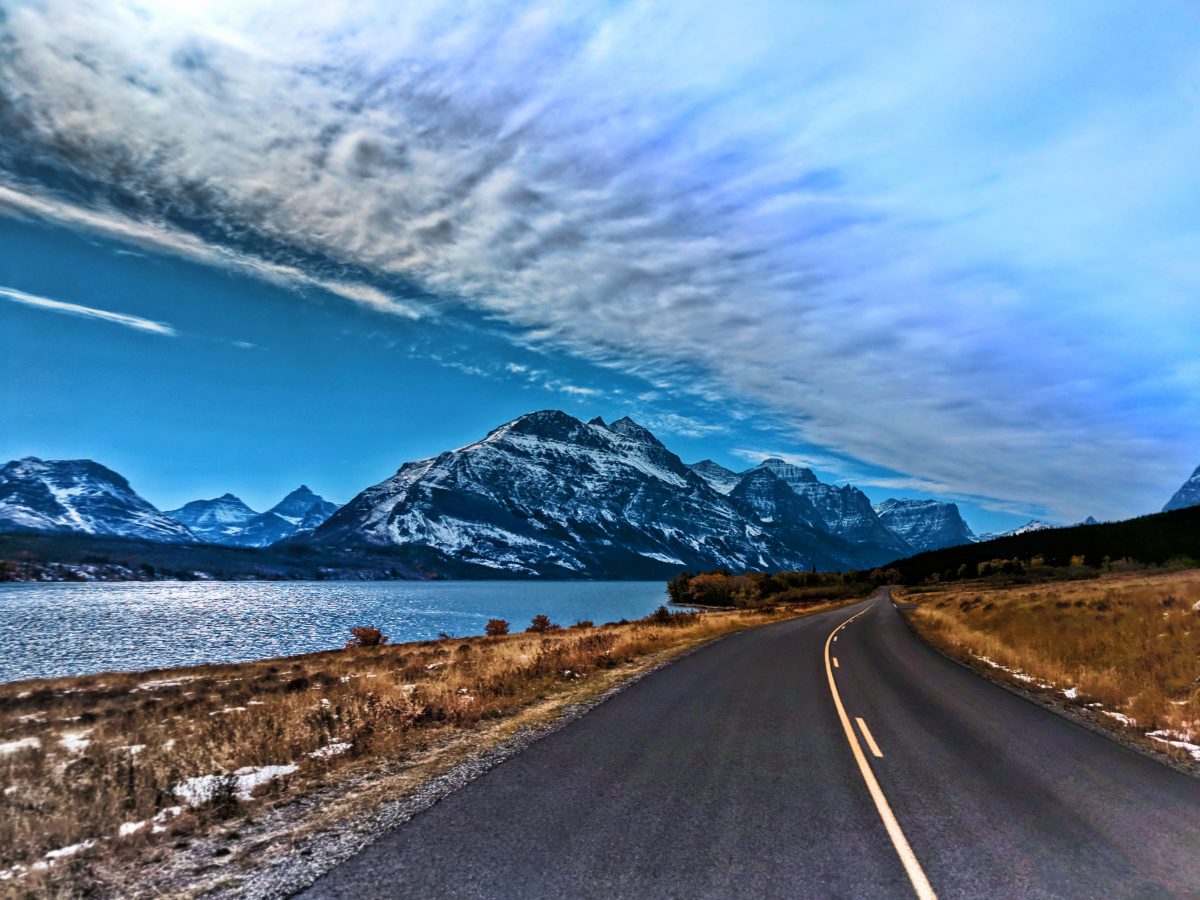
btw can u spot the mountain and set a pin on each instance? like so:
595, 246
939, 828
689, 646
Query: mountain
80, 496
1188, 495
1031, 525
925, 524
214, 521
549, 495
843, 512
719, 478
230, 522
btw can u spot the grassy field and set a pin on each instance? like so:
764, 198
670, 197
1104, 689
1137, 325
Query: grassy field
120, 766
1124, 647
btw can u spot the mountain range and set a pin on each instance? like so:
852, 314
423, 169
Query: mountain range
552, 496
226, 520
545, 495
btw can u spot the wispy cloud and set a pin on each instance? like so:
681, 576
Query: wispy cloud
957, 243
87, 312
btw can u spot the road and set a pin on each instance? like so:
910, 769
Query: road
731, 774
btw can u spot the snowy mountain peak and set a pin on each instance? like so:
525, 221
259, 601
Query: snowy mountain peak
1188, 495
926, 524
1031, 525
791, 474
721, 479
78, 495
228, 521
597, 421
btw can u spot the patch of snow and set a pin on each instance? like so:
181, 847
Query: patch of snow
75, 741
1123, 719
163, 683
62, 852
200, 790
1166, 738
129, 828
228, 709
29, 743
25, 694
1071, 693
329, 750
661, 557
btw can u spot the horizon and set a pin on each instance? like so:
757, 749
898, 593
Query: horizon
945, 254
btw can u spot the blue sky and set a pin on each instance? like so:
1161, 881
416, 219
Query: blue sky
946, 250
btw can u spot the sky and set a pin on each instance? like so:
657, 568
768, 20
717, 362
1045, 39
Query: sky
944, 250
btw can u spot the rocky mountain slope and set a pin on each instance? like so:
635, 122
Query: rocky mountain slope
1188, 495
925, 524
78, 495
549, 495
228, 521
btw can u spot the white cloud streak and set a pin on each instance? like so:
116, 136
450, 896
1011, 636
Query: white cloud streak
74, 309
871, 222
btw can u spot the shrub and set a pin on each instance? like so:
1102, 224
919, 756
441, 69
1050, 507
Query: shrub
365, 636
542, 625
496, 628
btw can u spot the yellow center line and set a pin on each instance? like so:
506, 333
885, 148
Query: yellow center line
835, 663
915, 873
862, 726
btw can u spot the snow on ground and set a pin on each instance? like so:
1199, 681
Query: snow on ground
1166, 738
29, 743
329, 750
200, 790
75, 741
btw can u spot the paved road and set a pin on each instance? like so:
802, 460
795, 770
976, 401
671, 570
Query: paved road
730, 774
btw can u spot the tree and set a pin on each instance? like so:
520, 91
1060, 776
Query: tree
542, 624
496, 628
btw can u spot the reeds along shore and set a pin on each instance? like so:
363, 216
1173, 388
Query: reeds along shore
1125, 644
135, 758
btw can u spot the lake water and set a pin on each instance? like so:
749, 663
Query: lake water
50, 630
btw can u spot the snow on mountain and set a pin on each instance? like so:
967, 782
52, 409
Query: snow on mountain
547, 494
926, 524
1188, 495
227, 520
719, 478
844, 512
1031, 525
78, 495
214, 521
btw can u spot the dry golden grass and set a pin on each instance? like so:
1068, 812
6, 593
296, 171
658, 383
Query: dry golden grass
80, 757
1130, 642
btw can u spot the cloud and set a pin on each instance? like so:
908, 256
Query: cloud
87, 312
958, 244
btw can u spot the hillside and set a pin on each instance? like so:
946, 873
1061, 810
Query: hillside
1153, 539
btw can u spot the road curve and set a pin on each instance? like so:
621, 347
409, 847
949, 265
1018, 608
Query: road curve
730, 774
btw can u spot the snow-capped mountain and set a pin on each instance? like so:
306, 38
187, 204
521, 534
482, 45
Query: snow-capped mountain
78, 495
925, 524
215, 521
1031, 525
227, 520
844, 512
1188, 495
549, 495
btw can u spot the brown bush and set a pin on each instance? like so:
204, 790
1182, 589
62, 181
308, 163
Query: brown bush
365, 636
496, 628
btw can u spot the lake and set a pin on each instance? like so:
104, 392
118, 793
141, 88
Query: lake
52, 630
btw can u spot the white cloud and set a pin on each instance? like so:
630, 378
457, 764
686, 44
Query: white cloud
946, 243
87, 312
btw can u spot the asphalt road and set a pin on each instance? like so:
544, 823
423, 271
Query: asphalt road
731, 774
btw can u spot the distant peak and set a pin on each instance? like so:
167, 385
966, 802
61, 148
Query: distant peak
228, 496
598, 421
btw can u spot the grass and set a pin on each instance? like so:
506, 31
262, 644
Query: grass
1126, 646
185, 750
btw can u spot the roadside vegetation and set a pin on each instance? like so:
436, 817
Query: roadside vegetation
120, 767
722, 588
1120, 642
